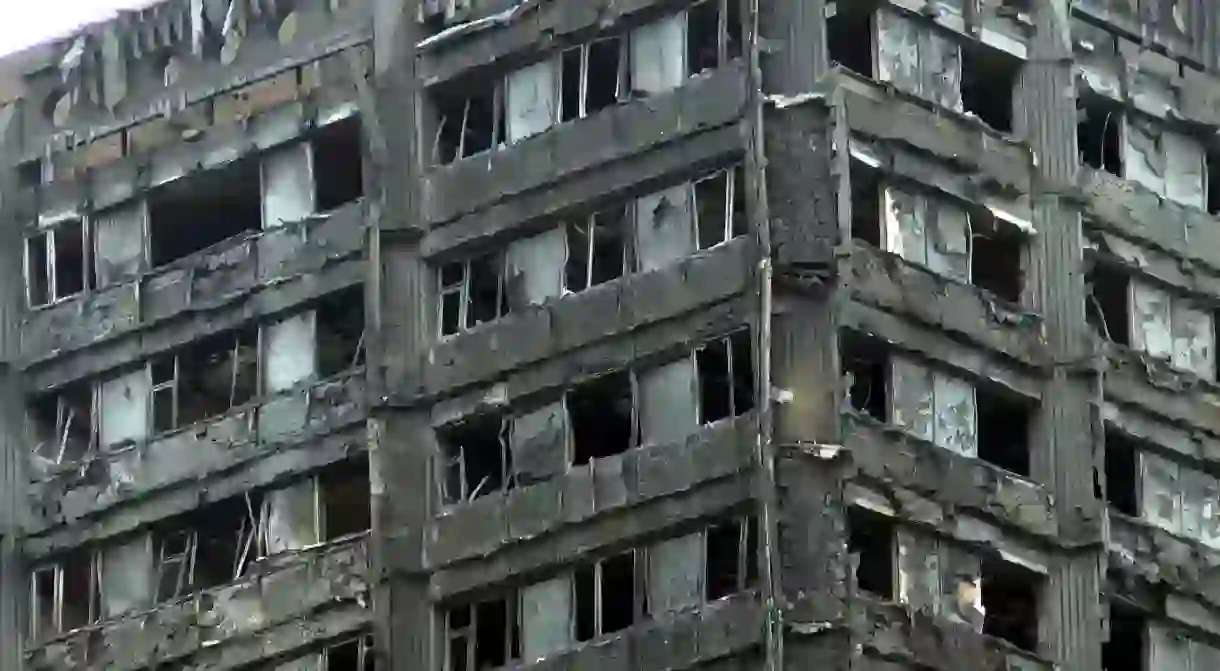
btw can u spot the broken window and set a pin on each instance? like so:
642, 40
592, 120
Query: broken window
996, 257
593, 77
933, 406
726, 377
597, 249
196, 212
606, 596
175, 564
866, 203
64, 595
931, 232
1124, 649
658, 55
1099, 125
63, 425
205, 548
988, 79
713, 34
1121, 464
849, 30
1106, 298
338, 167
344, 500
483, 635
908, 50
732, 557
1173, 328
865, 369
602, 416
1003, 430
477, 460
353, 655
340, 324
1179, 499
209, 378
1010, 599
57, 264
871, 539
720, 207
468, 123
471, 292
1213, 181
1168, 163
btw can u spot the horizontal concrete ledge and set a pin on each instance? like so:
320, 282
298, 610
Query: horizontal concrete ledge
1193, 446
893, 632
881, 112
703, 103
729, 626
289, 639
889, 456
586, 191
662, 512
1165, 560
309, 581
546, 27
1151, 265
274, 466
1177, 397
927, 343
588, 493
579, 320
888, 282
196, 454
229, 275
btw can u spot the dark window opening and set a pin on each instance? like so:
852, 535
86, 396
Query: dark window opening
732, 557
871, 539
720, 207
63, 424
1124, 650
80, 591
484, 635
199, 211
70, 271
988, 79
1122, 474
37, 270
340, 319
849, 30
703, 36
205, 548
210, 378
597, 249
57, 263
1099, 134
602, 416
997, 252
1106, 302
866, 204
353, 655
467, 124
338, 166
1003, 431
29, 174
592, 77
1010, 597
1213, 182
345, 497
605, 594
1014, 7
43, 605
477, 460
726, 377
865, 365
472, 292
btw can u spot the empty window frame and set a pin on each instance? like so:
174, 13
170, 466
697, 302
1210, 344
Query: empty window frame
475, 459
1122, 473
598, 248
989, 77
603, 417
338, 167
57, 263
607, 595
1126, 647
1099, 127
340, 324
64, 595
731, 557
871, 540
866, 371
471, 292
726, 377
343, 500
720, 207
593, 77
468, 123
713, 34
207, 547
483, 635
1106, 302
197, 212
64, 425
209, 378
849, 31
1010, 599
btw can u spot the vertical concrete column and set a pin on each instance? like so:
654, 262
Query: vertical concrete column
397, 324
1064, 442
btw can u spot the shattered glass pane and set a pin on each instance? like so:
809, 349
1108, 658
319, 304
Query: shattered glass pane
912, 397
905, 234
1162, 500
1150, 321
918, 571
955, 415
948, 248
1194, 339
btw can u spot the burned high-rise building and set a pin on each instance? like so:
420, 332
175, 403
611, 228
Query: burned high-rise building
648, 335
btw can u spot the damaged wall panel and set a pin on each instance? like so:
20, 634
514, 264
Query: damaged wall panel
933, 233
119, 242
287, 184
934, 406
918, 58
1172, 328
658, 54
532, 99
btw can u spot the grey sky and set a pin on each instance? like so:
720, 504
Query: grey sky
50, 19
